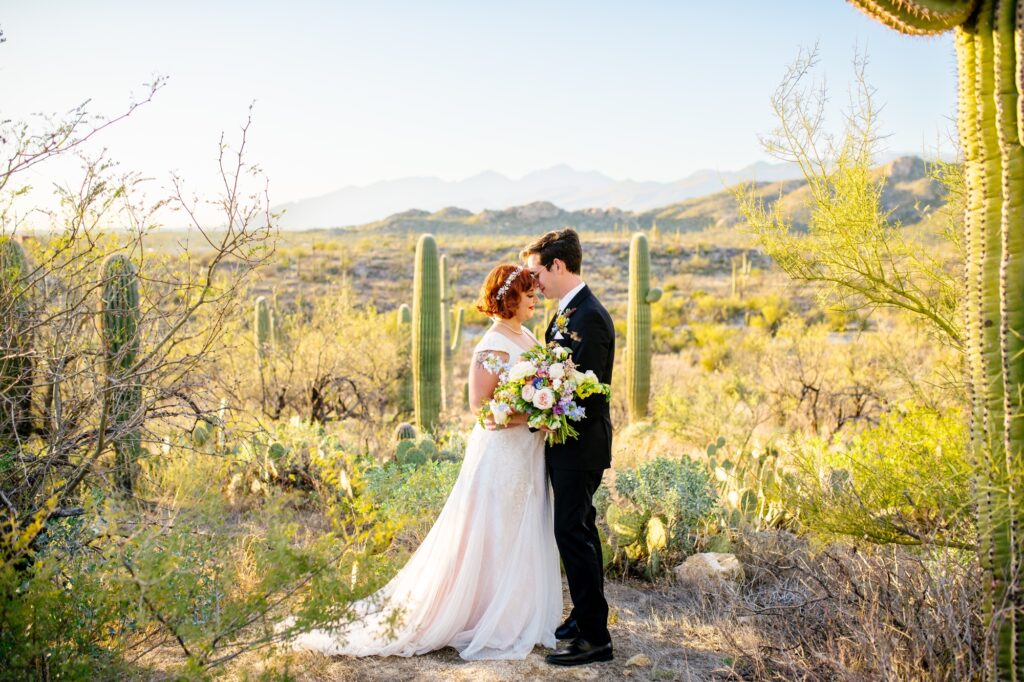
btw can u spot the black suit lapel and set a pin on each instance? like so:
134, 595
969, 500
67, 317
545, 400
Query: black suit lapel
581, 296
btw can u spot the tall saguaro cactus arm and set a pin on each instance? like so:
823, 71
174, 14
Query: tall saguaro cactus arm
426, 334
119, 327
638, 329
918, 17
990, 122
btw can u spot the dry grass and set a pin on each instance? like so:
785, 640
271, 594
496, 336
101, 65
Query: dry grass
834, 613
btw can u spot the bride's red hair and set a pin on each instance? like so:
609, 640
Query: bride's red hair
505, 307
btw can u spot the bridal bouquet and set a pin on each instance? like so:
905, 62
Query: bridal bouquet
545, 385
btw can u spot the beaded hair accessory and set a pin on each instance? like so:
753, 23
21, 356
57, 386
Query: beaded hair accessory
508, 281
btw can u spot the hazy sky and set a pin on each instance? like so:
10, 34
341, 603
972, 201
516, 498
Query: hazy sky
355, 92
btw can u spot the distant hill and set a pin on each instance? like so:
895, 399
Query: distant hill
560, 185
909, 193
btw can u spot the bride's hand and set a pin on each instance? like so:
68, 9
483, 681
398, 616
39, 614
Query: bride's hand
516, 419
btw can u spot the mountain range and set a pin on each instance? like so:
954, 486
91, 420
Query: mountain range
909, 194
561, 185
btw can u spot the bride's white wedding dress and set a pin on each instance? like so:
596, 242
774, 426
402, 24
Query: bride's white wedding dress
486, 579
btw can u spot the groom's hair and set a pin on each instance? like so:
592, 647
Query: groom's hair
561, 244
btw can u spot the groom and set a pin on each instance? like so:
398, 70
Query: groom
576, 466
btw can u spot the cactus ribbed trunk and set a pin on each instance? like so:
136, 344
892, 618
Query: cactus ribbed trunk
15, 347
403, 317
119, 331
426, 334
989, 65
638, 329
451, 333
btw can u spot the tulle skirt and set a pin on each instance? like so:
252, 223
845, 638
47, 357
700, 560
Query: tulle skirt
485, 580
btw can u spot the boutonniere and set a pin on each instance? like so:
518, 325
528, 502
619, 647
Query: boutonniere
561, 324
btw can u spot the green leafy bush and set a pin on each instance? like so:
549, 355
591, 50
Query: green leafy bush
905, 481
410, 496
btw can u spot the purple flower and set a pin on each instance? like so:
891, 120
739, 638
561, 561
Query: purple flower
558, 409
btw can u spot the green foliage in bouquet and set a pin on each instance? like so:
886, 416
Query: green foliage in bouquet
661, 505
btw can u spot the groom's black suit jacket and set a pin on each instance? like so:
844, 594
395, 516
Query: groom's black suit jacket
591, 339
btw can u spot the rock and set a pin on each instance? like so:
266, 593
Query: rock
638, 661
709, 567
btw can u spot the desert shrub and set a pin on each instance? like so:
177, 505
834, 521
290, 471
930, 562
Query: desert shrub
335, 360
904, 481
410, 496
867, 613
60, 621
659, 508
726, 404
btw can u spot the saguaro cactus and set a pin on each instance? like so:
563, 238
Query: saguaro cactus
426, 334
119, 327
991, 74
403, 318
262, 329
262, 335
451, 331
15, 346
404, 314
741, 269
638, 329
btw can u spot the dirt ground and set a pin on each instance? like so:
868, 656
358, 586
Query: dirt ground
662, 623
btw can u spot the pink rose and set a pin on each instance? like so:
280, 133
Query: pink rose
528, 392
544, 399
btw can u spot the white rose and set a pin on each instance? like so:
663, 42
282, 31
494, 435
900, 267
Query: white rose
556, 371
521, 370
500, 411
528, 392
544, 399
556, 384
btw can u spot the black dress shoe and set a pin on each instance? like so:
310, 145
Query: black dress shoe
568, 630
581, 652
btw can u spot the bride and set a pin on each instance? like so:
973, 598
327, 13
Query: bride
486, 579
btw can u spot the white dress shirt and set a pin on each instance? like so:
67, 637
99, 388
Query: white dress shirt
564, 301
